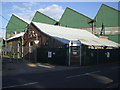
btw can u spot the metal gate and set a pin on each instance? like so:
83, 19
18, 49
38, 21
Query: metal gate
75, 55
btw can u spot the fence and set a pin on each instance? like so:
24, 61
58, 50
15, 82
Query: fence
99, 56
56, 56
59, 56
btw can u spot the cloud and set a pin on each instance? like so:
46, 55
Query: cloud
30, 4
54, 11
23, 12
26, 10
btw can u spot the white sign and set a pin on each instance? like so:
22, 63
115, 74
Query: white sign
49, 54
108, 54
36, 42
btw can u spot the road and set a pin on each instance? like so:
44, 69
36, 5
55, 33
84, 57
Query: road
99, 76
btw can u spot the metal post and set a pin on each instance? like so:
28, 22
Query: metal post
22, 46
97, 56
69, 55
80, 54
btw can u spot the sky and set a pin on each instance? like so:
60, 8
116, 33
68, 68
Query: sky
55, 10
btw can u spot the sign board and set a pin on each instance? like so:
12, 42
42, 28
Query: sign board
36, 42
49, 54
108, 55
75, 43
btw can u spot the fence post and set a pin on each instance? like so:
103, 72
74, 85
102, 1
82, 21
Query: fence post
97, 57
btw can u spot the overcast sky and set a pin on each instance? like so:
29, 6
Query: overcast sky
27, 10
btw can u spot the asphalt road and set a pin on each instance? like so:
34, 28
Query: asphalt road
100, 76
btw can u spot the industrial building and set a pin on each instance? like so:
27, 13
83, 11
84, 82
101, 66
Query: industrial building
107, 23
104, 24
16, 25
74, 19
75, 40
42, 18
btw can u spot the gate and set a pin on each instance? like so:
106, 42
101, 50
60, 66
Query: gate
75, 55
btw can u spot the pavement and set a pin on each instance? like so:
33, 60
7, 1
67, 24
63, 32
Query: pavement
17, 66
98, 76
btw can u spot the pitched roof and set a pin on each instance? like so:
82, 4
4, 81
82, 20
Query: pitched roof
16, 23
26, 21
105, 6
107, 16
66, 35
16, 36
47, 16
78, 13
40, 17
74, 19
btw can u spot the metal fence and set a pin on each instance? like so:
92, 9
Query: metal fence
60, 55
99, 56
17, 54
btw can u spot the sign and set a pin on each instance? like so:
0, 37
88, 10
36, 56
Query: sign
108, 54
49, 54
36, 42
74, 53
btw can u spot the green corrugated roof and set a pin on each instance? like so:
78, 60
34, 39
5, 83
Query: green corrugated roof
74, 19
107, 16
42, 18
16, 23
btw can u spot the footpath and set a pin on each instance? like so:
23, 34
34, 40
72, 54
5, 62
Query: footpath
14, 67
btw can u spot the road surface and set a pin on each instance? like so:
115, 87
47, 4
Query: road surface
99, 76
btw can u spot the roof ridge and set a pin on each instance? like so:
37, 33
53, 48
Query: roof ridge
106, 6
79, 13
109, 7
46, 16
26, 21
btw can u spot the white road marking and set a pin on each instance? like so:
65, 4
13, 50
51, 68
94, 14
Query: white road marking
82, 74
20, 85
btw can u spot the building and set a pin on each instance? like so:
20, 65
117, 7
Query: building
42, 18
104, 24
15, 30
74, 19
107, 23
14, 45
62, 45
16, 25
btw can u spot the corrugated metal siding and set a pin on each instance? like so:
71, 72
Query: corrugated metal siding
114, 38
74, 19
108, 16
39, 17
15, 24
